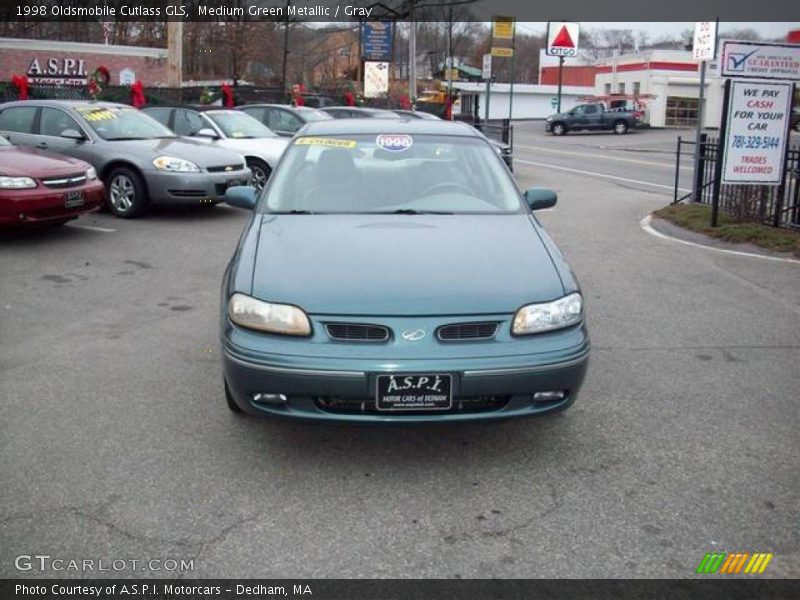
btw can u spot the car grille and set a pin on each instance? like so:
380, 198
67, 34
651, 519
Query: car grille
477, 404
65, 182
188, 193
357, 332
224, 168
459, 332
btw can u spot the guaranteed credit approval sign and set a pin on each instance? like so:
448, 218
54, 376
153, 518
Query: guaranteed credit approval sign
758, 124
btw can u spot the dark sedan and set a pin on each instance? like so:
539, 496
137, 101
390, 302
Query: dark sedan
283, 119
392, 271
39, 187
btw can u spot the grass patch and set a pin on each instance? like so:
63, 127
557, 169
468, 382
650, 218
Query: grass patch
697, 217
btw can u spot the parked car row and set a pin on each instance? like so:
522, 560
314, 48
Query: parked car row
160, 154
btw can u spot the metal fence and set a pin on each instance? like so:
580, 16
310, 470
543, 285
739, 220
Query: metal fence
500, 129
776, 205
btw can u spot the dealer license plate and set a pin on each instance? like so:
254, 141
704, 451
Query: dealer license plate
414, 392
73, 199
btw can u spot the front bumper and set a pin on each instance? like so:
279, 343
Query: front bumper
192, 188
487, 384
44, 205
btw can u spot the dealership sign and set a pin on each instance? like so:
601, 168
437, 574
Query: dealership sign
58, 71
562, 38
762, 60
376, 41
376, 79
756, 132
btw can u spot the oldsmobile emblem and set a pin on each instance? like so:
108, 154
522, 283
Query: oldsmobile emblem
413, 335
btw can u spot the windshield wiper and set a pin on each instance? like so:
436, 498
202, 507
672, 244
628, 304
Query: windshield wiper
413, 211
125, 139
296, 211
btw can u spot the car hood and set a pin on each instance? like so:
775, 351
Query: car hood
16, 161
403, 264
197, 152
270, 148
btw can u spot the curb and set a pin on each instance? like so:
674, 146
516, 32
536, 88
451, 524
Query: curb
645, 224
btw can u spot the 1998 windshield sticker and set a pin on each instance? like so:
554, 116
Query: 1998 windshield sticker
329, 142
394, 142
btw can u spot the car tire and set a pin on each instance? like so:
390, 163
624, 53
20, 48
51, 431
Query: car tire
261, 172
558, 129
234, 408
126, 193
620, 127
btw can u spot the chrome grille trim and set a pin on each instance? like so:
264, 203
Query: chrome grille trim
467, 332
68, 181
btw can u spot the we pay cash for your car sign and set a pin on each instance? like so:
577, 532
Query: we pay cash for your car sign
757, 128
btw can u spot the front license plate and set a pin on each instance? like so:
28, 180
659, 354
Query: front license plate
414, 392
73, 199
234, 182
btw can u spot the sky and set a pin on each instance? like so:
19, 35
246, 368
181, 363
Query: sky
657, 30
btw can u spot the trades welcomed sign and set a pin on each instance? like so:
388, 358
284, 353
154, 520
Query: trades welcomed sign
757, 128
763, 60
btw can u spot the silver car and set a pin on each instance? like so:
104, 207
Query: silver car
141, 161
232, 129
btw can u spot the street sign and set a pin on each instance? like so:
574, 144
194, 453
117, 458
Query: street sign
376, 41
503, 52
756, 132
705, 40
503, 28
762, 60
562, 38
376, 79
486, 71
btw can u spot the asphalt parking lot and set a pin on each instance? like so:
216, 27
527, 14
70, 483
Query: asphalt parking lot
116, 442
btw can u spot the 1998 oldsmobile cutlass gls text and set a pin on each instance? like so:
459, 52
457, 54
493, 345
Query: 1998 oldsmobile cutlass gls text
392, 271
201, 11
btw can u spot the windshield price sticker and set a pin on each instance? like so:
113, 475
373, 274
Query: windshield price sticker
329, 142
758, 119
394, 142
97, 114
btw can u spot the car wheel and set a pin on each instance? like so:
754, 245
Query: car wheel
620, 127
126, 194
231, 402
559, 129
261, 172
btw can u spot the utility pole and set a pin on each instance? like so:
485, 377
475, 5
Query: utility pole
174, 53
412, 56
285, 47
449, 63
560, 79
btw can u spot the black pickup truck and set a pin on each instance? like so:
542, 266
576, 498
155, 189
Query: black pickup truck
593, 117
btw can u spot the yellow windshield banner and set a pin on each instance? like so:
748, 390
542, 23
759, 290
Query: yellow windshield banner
329, 142
97, 114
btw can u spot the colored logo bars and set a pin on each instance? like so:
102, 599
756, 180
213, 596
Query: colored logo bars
733, 563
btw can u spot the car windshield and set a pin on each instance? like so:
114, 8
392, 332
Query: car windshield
238, 125
115, 123
391, 173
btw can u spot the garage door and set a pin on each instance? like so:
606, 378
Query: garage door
681, 112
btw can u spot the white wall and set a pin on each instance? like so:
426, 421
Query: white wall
530, 101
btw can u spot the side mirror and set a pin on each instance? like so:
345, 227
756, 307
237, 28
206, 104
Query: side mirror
241, 196
72, 134
207, 132
539, 198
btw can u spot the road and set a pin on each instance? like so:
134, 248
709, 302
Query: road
116, 442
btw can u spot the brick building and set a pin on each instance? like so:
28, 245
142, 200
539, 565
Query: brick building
71, 63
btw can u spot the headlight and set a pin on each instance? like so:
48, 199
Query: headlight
536, 318
16, 183
265, 316
91, 174
171, 163
549, 119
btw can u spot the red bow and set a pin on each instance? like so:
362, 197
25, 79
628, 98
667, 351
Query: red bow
137, 94
227, 96
349, 100
21, 83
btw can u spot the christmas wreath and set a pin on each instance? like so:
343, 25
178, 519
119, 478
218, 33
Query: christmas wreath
99, 79
21, 83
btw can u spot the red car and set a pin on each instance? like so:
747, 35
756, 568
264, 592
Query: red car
43, 187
